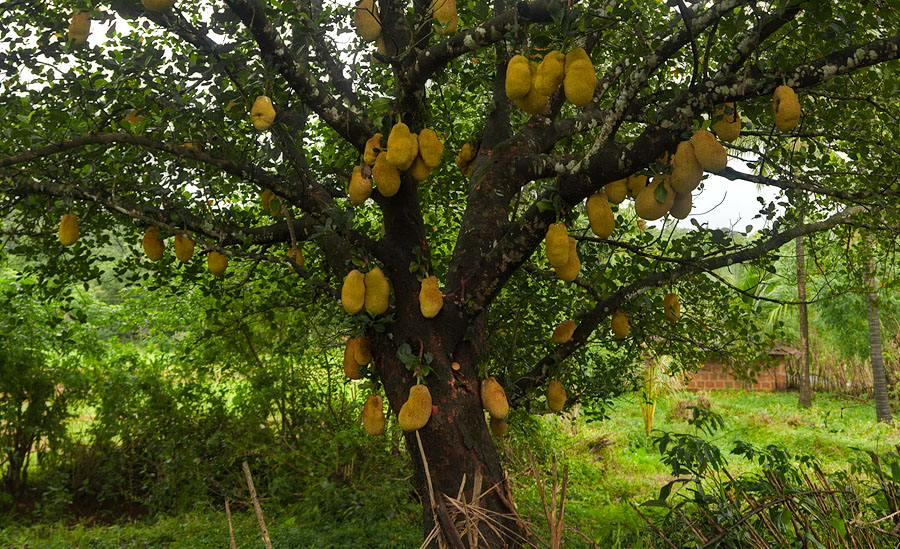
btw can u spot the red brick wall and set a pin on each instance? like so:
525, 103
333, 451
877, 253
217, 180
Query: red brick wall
714, 375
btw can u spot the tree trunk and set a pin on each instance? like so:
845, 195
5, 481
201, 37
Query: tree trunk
805, 399
879, 381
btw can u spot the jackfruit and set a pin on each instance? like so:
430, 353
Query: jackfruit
556, 244
556, 396
216, 263
353, 292
686, 170
413, 152
79, 28
158, 5
600, 215
563, 332
785, 108
681, 208
68, 230
580, 81
647, 205
270, 202
133, 117
636, 184
362, 352
153, 246
262, 113
416, 411
360, 188
380, 49
430, 148
709, 152
373, 415
446, 17
569, 271
493, 398
672, 307
351, 366
518, 77
465, 158
617, 191
297, 255
373, 147
728, 125
365, 19
550, 73
419, 171
399, 146
385, 176
430, 298
619, 325
534, 103
184, 247
378, 292
498, 426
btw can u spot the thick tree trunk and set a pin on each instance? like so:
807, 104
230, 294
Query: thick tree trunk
879, 381
805, 399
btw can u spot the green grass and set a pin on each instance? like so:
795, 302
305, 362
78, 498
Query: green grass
611, 463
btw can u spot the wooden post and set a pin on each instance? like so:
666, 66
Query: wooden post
256, 507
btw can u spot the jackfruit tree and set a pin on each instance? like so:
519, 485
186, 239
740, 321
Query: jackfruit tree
408, 160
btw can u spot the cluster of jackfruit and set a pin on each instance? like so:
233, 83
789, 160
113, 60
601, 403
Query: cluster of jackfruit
493, 400
465, 158
356, 354
529, 85
416, 154
370, 290
562, 252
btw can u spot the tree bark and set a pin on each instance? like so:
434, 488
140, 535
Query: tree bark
879, 381
805, 398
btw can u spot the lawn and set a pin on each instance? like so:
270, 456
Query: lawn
611, 463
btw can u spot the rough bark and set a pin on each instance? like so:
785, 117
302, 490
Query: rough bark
805, 398
879, 381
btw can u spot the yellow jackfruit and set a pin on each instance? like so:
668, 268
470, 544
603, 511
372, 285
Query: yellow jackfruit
728, 125
518, 77
153, 246
413, 152
365, 19
262, 113
416, 411
430, 298
380, 49
385, 175
360, 188
581, 80
353, 292
556, 396
419, 171
158, 5
647, 205
672, 307
636, 184
430, 148
378, 292
498, 426
446, 17
563, 332
399, 146
270, 202
373, 415
68, 230
79, 28
569, 270
465, 158
681, 208
373, 147
297, 255
351, 366
133, 117
184, 247
619, 325
686, 171
556, 244
493, 398
550, 73
362, 352
534, 103
785, 108
600, 215
617, 191
216, 263
709, 152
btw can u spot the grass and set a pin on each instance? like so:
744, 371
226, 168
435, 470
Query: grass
611, 463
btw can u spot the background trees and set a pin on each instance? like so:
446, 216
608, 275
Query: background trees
148, 127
